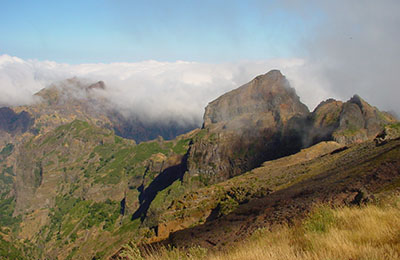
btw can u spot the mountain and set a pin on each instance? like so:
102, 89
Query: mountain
265, 120
247, 126
72, 186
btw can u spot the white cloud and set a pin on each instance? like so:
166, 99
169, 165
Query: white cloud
151, 89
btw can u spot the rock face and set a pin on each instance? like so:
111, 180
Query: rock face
256, 122
346, 123
268, 95
12, 122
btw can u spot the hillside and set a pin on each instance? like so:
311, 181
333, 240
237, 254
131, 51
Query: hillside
75, 188
282, 191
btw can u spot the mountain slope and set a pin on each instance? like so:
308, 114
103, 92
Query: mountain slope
281, 191
75, 189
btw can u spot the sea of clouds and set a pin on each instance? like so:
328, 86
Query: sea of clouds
150, 89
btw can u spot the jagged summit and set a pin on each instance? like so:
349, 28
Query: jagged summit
347, 122
75, 98
98, 85
247, 126
71, 90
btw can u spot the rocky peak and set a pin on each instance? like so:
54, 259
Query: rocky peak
264, 120
70, 90
269, 93
348, 122
247, 126
356, 99
98, 85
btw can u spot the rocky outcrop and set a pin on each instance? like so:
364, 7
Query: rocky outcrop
258, 121
390, 132
347, 123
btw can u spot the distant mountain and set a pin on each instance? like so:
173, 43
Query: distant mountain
72, 99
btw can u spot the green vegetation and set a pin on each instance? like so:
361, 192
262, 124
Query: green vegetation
227, 205
73, 214
181, 146
144, 150
6, 151
6, 174
9, 251
395, 126
6, 212
200, 135
163, 200
320, 220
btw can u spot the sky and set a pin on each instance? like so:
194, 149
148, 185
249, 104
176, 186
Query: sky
168, 58
94, 31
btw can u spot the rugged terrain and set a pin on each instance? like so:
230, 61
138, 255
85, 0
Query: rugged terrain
74, 185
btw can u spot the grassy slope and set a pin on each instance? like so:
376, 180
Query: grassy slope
367, 232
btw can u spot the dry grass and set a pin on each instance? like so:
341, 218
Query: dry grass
369, 232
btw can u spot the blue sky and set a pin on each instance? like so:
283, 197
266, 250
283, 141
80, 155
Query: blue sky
110, 31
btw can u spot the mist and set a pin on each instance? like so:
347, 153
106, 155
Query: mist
354, 48
151, 90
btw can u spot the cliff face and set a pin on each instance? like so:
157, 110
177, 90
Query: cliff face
256, 122
268, 94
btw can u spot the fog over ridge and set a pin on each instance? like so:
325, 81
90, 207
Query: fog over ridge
150, 89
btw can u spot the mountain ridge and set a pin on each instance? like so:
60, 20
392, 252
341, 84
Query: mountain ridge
74, 188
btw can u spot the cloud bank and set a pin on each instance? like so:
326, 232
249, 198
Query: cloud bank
152, 90
354, 48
